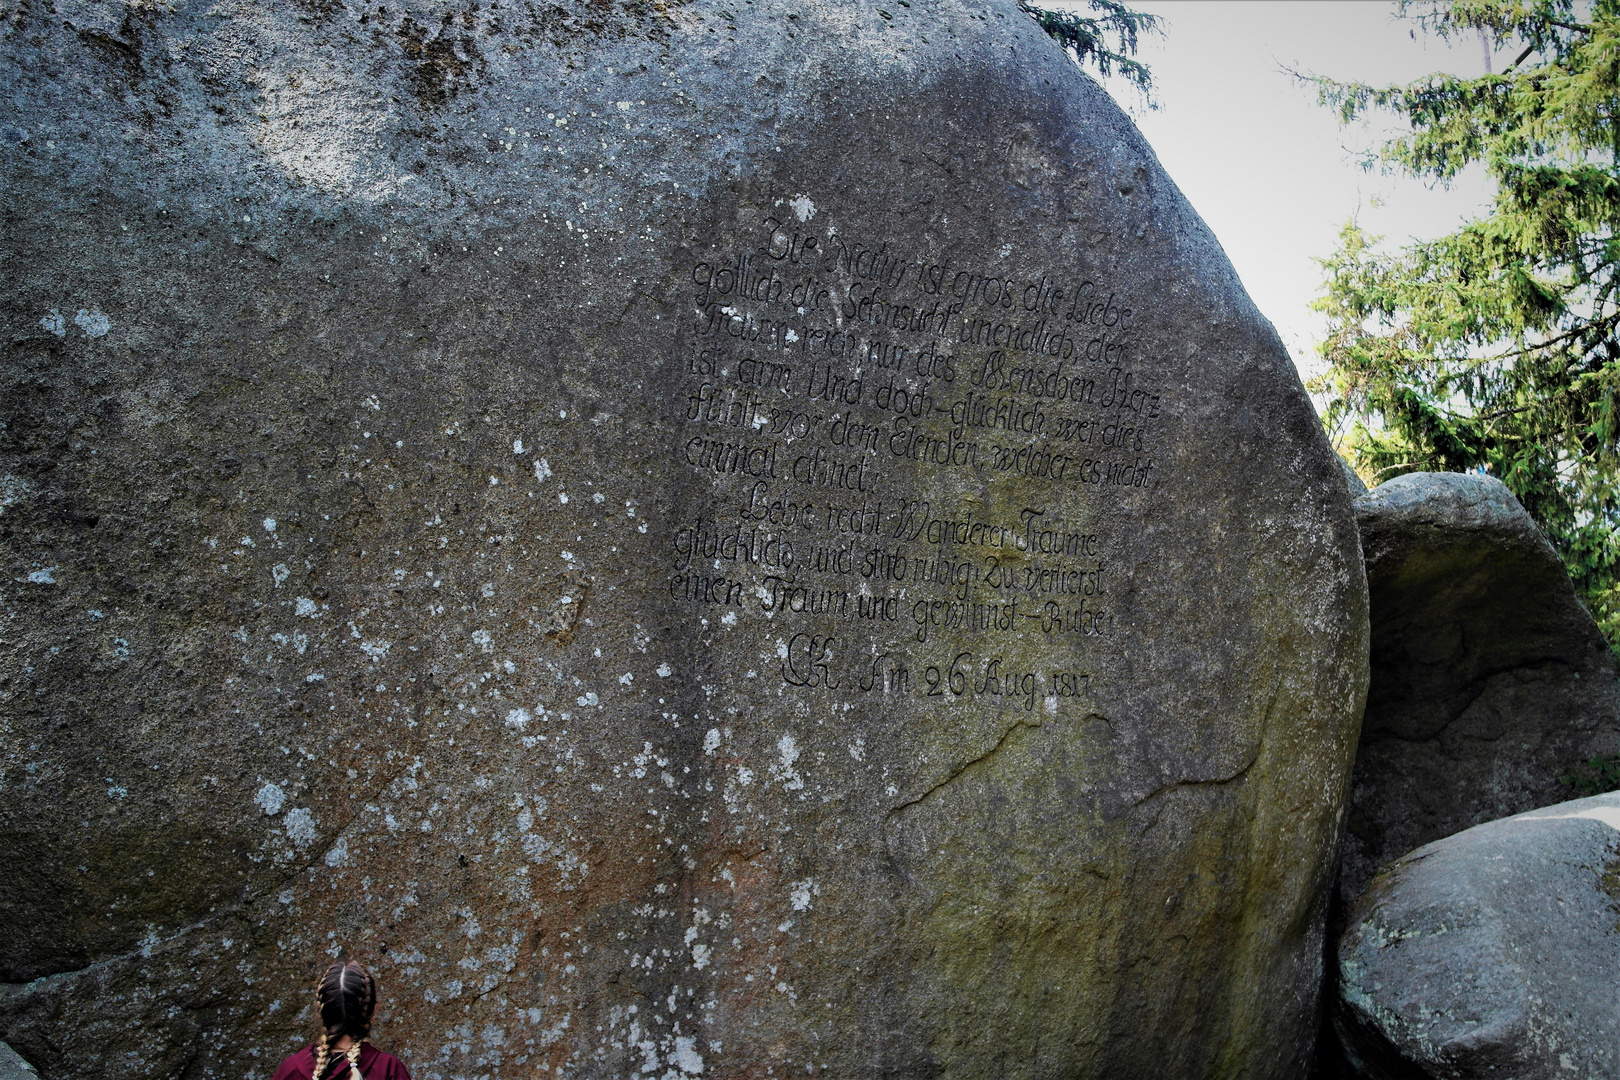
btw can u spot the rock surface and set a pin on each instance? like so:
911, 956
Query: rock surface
1352, 480
1489, 679
748, 540
13, 1067
1491, 953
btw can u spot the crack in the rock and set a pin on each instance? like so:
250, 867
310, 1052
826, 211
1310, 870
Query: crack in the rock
1483, 683
1241, 772
148, 948
1000, 744
1213, 782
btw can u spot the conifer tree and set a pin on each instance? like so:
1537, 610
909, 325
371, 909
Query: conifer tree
1105, 40
1494, 347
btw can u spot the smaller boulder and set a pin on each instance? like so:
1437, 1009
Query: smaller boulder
1491, 953
13, 1067
1352, 479
1489, 679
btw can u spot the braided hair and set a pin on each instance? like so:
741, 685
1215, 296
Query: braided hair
346, 997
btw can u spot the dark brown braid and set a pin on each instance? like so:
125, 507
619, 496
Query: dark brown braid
346, 997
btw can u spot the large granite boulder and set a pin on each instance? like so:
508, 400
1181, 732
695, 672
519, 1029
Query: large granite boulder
1491, 953
695, 539
1489, 680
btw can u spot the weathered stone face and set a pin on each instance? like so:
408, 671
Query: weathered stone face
1489, 679
1493, 952
13, 1067
761, 540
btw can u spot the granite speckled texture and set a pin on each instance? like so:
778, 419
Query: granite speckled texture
13, 1067
1491, 953
758, 540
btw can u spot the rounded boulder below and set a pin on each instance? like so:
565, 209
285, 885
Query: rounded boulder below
1489, 681
1491, 953
13, 1067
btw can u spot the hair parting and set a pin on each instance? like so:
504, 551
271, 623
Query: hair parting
346, 998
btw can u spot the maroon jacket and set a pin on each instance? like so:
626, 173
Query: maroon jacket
374, 1063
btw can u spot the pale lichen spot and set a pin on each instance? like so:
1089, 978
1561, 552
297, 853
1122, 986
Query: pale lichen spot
270, 798
300, 825
92, 322
12, 490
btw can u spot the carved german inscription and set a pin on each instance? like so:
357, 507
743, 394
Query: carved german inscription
842, 397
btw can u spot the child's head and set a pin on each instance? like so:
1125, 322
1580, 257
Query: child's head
346, 997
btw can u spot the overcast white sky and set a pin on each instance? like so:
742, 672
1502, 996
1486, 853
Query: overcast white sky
1270, 170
